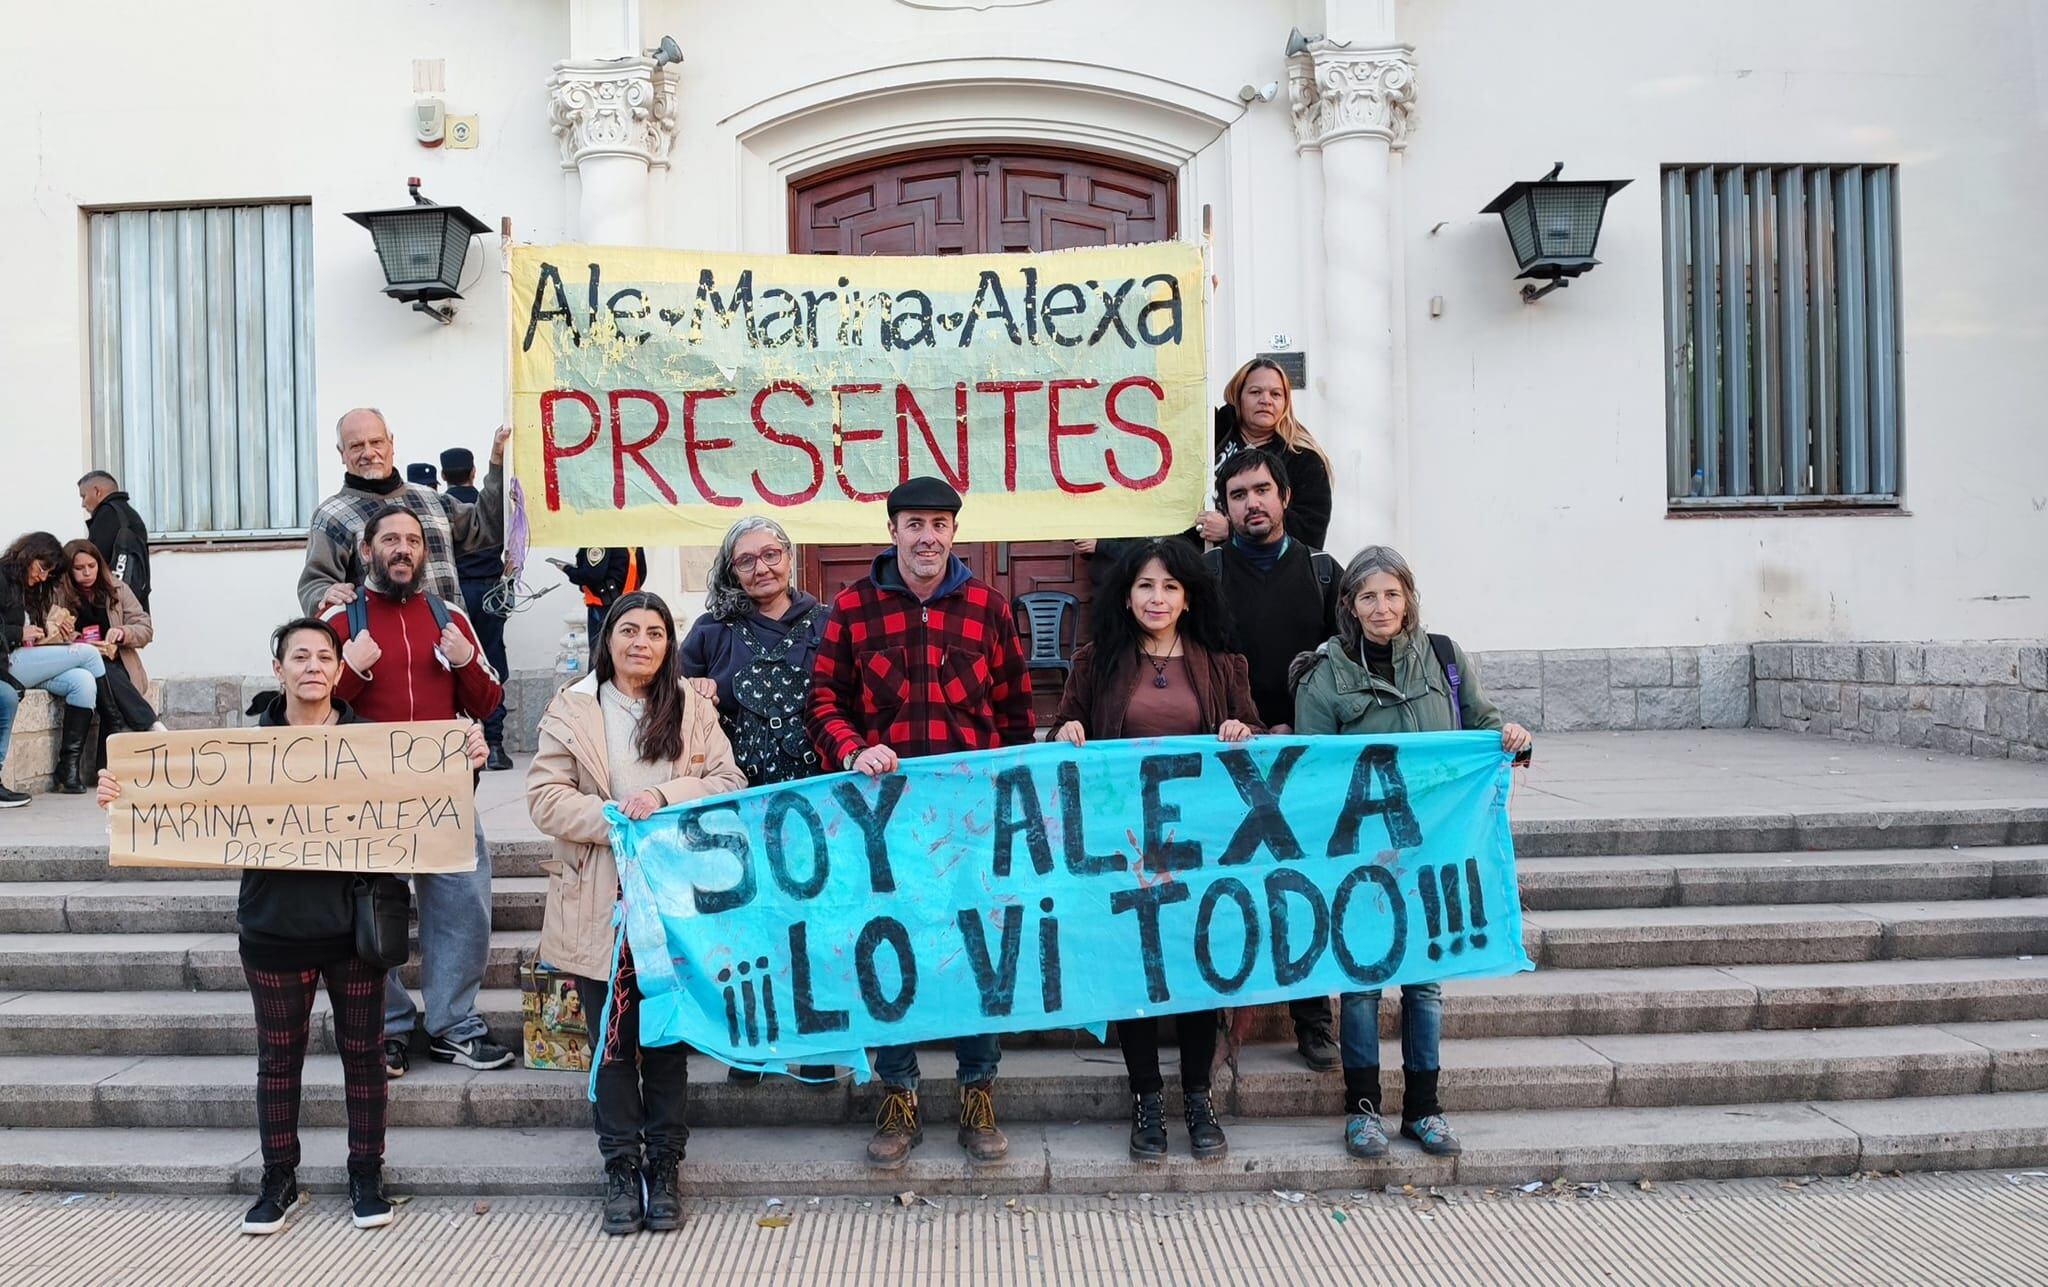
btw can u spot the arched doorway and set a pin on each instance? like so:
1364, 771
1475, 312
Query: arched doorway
969, 201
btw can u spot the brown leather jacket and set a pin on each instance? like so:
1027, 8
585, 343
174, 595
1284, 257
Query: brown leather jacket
1222, 687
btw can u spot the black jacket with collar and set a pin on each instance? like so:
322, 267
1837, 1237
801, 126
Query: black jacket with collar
297, 920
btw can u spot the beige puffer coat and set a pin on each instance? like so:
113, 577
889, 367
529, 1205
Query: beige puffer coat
567, 788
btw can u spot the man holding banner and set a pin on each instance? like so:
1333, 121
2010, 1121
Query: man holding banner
920, 657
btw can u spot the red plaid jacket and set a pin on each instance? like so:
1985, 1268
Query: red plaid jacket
922, 679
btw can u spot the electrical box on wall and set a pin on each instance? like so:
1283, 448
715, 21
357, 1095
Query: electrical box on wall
461, 132
430, 122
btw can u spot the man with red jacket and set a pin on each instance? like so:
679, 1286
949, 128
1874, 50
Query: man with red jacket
921, 658
408, 655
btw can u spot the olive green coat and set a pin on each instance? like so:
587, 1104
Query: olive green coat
1338, 695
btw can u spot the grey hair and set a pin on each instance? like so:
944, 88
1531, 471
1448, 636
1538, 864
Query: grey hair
1371, 559
352, 411
724, 597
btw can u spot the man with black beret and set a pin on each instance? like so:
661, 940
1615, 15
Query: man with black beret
920, 657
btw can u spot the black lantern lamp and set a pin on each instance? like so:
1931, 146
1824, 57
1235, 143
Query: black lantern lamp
1553, 226
422, 247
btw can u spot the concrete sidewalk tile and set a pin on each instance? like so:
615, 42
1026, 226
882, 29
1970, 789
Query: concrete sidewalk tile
1779, 1066
1949, 1132
461, 1160
1265, 1153
1652, 1143
2019, 1051
1875, 993
54, 1090
131, 1161
1609, 938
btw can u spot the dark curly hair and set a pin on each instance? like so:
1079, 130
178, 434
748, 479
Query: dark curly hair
31, 548
1116, 629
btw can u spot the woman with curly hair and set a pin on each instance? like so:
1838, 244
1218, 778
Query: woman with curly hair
29, 572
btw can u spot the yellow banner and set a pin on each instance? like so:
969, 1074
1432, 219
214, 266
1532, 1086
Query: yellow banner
659, 395
394, 798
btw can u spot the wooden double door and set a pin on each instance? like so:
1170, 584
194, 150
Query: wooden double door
969, 202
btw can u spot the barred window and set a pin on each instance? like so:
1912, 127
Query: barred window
1781, 324
201, 365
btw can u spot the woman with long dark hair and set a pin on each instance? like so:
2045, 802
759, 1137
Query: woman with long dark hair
632, 732
107, 616
1258, 411
29, 573
1158, 667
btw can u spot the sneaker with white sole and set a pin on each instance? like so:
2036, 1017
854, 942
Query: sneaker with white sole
12, 799
275, 1200
368, 1207
473, 1052
1434, 1134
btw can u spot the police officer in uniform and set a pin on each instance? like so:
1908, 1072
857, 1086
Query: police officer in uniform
605, 573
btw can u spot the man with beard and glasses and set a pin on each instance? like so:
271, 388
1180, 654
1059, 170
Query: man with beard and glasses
453, 527
408, 654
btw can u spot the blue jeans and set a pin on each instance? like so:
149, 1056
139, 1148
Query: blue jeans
9, 703
977, 1056
1422, 1027
455, 939
71, 672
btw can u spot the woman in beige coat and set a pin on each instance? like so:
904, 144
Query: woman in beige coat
105, 613
632, 732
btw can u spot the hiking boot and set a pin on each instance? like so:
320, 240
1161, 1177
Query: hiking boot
1363, 1134
275, 1200
624, 1211
70, 778
1434, 1134
475, 1052
498, 760
1148, 1127
897, 1129
979, 1134
664, 1200
397, 1057
1205, 1133
12, 799
1315, 1045
368, 1206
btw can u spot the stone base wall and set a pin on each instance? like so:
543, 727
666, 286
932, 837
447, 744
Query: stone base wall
1985, 699
38, 728
222, 702
1620, 688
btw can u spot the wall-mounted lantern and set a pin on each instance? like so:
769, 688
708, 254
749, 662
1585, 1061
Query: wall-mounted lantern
422, 247
1553, 226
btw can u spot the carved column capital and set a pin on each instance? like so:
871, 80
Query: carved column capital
621, 107
1338, 92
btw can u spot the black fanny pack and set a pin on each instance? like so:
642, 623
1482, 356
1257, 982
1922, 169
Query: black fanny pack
383, 916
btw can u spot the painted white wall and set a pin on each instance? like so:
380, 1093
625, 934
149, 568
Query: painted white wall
1535, 438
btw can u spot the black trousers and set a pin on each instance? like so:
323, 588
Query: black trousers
490, 632
1139, 1038
642, 1091
125, 700
1310, 1012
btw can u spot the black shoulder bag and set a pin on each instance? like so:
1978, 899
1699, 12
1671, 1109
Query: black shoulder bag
383, 916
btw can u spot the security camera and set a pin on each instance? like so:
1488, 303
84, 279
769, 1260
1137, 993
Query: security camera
1252, 94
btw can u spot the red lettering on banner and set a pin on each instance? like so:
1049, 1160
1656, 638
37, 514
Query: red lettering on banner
550, 451
907, 410
692, 444
621, 449
1147, 432
774, 435
1055, 430
1010, 389
841, 435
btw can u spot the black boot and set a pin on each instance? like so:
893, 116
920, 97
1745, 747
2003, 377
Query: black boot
1205, 1133
1148, 1128
664, 1201
71, 751
623, 1209
105, 723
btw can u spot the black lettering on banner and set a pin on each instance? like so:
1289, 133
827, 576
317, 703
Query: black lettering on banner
991, 284
996, 981
1232, 888
1403, 831
885, 929
809, 1019
549, 274
1264, 824
1146, 900
1170, 333
1113, 314
1369, 976
1049, 995
1290, 967
780, 806
1451, 927
697, 840
872, 823
1017, 810
1160, 853
1073, 837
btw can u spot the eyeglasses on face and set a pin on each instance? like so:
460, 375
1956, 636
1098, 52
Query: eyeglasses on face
769, 558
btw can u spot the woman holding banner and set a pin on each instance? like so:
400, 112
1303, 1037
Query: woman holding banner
1258, 411
635, 733
1158, 668
1384, 674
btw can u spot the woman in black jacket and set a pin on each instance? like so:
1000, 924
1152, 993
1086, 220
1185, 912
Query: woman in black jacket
297, 927
1258, 411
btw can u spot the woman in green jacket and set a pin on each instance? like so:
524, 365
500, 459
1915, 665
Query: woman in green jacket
1381, 674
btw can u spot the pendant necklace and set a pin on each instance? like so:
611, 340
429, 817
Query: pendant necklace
1158, 664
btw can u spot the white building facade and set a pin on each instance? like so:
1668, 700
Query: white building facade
1535, 461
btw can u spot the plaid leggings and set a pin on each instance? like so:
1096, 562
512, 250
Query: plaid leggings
284, 1009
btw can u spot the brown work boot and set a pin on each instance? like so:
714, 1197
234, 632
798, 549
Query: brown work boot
979, 1134
897, 1129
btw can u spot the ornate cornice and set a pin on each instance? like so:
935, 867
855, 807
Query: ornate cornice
621, 107
1338, 92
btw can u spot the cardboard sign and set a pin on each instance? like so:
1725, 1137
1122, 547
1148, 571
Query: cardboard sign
1049, 886
659, 395
392, 798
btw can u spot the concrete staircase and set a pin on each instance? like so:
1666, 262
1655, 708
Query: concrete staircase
1713, 1013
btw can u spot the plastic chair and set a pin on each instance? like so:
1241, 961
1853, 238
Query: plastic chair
1047, 619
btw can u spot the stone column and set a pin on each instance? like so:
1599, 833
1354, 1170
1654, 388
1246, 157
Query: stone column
616, 120
1353, 105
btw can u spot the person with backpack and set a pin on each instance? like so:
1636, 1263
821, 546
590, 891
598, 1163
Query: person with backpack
1281, 599
408, 654
1382, 673
754, 644
112, 524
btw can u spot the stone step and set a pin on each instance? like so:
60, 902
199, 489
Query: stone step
71, 861
1786, 933
1045, 1085
1300, 1153
193, 906
1863, 875
176, 962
